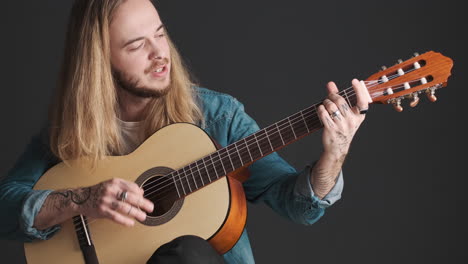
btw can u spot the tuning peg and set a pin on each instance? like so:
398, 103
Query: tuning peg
400, 61
430, 93
383, 68
415, 101
397, 105
415, 54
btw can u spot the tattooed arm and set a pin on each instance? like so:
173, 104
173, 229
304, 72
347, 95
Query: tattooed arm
98, 201
338, 133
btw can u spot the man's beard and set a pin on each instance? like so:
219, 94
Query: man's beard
131, 85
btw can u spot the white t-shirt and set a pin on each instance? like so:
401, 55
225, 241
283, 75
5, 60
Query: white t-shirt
130, 134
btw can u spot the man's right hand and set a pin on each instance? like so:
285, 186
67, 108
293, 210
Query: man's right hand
103, 200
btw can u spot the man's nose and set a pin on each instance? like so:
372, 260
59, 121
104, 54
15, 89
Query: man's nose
156, 52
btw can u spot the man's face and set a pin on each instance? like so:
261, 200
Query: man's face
140, 54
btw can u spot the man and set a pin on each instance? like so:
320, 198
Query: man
122, 79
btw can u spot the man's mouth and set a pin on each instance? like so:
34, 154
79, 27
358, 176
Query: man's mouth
159, 71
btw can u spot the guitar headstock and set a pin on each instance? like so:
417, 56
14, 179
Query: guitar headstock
423, 73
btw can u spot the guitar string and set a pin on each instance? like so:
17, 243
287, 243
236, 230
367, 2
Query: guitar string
242, 151
185, 174
372, 84
376, 82
242, 146
190, 172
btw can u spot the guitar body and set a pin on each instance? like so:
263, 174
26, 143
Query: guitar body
216, 212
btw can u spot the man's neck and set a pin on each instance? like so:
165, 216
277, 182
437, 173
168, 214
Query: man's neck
132, 107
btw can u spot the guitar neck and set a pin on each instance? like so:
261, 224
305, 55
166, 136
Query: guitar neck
244, 152
421, 74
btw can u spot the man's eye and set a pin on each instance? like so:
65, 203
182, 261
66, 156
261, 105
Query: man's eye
161, 35
132, 48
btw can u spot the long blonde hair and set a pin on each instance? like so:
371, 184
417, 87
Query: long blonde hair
84, 115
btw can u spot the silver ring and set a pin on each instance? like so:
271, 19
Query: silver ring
123, 196
335, 114
131, 208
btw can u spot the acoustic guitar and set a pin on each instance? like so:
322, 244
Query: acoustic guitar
197, 187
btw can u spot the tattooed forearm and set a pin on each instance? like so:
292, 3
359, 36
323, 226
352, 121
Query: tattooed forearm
325, 174
61, 205
79, 196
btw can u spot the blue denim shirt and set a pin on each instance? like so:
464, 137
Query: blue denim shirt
272, 180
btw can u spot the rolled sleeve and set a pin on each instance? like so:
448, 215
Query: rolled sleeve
304, 188
17, 196
31, 207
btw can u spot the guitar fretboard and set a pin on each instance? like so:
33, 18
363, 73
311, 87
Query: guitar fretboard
247, 150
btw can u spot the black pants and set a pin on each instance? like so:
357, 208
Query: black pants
186, 250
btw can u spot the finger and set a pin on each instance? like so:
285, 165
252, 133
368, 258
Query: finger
138, 200
134, 212
128, 209
119, 218
332, 109
330, 106
130, 186
331, 87
341, 103
325, 117
362, 96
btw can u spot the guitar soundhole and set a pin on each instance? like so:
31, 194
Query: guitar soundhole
160, 189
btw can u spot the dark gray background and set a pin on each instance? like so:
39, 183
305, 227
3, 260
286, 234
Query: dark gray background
404, 199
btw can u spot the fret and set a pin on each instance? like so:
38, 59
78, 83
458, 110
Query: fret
180, 182
199, 169
269, 141
305, 123
258, 144
248, 150
262, 139
175, 184
187, 177
253, 147
230, 160
279, 132
238, 153
244, 152
206, 169
292, 128
299, 125
214, 167
347, 98
193, 174
210, 167
286, 130
184, 181
219, 169
226, 158
275, 137
222, 163
234, 155
316, 113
